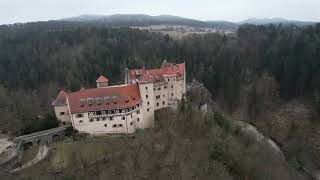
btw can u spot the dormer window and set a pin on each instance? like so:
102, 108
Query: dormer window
90, 101
98, 101
106, 100
115, 100
82, 102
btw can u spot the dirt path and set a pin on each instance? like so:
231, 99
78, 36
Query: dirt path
4, 144
42, 154
259, 136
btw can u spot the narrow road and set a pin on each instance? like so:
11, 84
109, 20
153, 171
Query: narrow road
4, 144
42, 154
259, 136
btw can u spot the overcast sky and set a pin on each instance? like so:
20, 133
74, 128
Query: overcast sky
12, 11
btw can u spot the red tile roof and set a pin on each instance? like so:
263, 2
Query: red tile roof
102, 79
157, 75
126, 96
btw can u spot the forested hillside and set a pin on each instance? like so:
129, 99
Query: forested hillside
263, 68
38, 57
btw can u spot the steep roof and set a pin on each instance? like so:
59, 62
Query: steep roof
157, 75
102, 79
125, 96
60, 99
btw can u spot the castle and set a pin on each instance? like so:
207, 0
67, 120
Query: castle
123, 108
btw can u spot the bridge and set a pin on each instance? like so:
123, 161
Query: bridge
41, 137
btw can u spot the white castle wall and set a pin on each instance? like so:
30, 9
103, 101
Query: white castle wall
65, 119
147, 97
160, 96
97, 125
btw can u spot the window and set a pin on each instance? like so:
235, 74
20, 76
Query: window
157, 104
147, 96
159, 89
105, 125
163, 102
148, 109
107, 100
131, 115
91, 120
146, 88
82, 102
110, 118
172, 94
98, 101
62, 113
131, 123
114, 126
123, 118
148, 103
172, 87
90, 101
138, 112
79, 115
154, 89
174, 79
120, 125
104, 118
138, 119
168, 79
80, 121
165, 87
98, 119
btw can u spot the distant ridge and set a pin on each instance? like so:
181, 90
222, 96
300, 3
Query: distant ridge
266, 21
144, 21
147, 20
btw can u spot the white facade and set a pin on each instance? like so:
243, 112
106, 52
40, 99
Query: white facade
147, 97
62, 114
108, 123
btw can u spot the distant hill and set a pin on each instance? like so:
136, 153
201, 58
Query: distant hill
275, 21
142, 20
147, 20
122, 20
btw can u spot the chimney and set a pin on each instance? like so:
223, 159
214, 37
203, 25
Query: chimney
126, 76
164, 63
144, 67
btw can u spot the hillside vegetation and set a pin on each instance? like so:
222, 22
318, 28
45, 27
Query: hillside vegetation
187, 144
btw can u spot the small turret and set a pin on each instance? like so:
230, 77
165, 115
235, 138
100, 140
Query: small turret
102, 82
